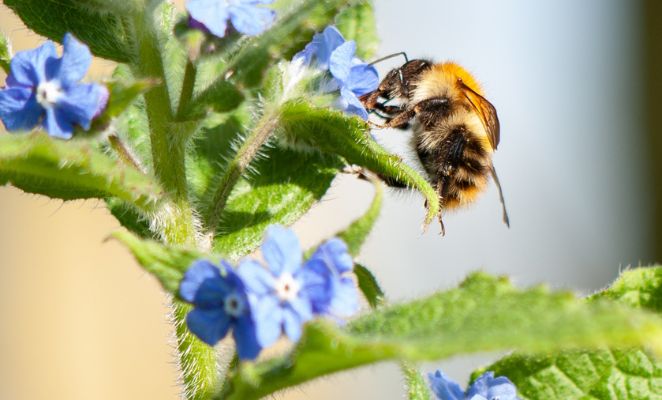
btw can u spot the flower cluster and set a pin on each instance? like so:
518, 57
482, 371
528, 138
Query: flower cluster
329, 51
246, 16
486, 387
259, 303
44, 89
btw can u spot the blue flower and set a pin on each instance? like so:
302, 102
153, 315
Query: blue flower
486, 387
220, 305
246, 15
331, 291
279, 295
44, 89
329, 51
444, 387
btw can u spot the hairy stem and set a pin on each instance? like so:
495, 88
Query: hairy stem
175, 219
237, 166
124, 153
187, 88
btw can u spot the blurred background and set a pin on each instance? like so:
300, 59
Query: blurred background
578, 95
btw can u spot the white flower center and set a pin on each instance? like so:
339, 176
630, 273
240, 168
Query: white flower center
48, 93
234, 305
287, 288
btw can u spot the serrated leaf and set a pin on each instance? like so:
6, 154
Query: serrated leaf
358, 23
597, 374
483, 314
369, 286
333, 132
244, 64
283, 187
417, 386
5, 53
167, 263
71, 170
107, 34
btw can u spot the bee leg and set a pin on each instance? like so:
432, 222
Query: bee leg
400, 120
440, 189
506, 219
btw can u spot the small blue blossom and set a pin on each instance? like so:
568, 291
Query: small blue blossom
246, 16
331, 291
220, 305
279, 295
329, 51
44, 89
486, 387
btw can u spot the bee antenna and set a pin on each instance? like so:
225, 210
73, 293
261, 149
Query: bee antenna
402, 53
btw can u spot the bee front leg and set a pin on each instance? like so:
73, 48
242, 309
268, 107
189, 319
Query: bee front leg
440, 189
400, 121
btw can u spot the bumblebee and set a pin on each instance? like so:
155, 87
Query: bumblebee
455, 128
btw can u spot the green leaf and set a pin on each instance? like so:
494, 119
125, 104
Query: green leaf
417, 386
358, 23
130, 218
5, 53
356, 234
483, 314
71, 170
283, 187
639, 288
108, 35
333, 132
122, 94
369, 286
167, 263
595, 374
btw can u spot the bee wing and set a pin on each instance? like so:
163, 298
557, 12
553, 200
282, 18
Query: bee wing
486, 112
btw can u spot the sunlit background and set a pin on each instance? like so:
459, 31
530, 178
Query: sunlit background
577, 100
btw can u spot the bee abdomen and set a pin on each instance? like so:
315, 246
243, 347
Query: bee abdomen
458, 165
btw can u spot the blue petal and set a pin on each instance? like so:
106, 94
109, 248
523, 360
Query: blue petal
58, 124
340, 63
351, 104
292, 324
19, 109
317, 285
81, 102
256, 278
444, 387
302, 307
325, 43
268, 317
489, 387
245, 336
213, 14
281, 250
208, 325
335, 255
345, 302
28, 68
76, 60
251, 20
363, 78
199, 272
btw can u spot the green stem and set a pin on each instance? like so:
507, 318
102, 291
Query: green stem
187, 88
252, 144
197, 360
